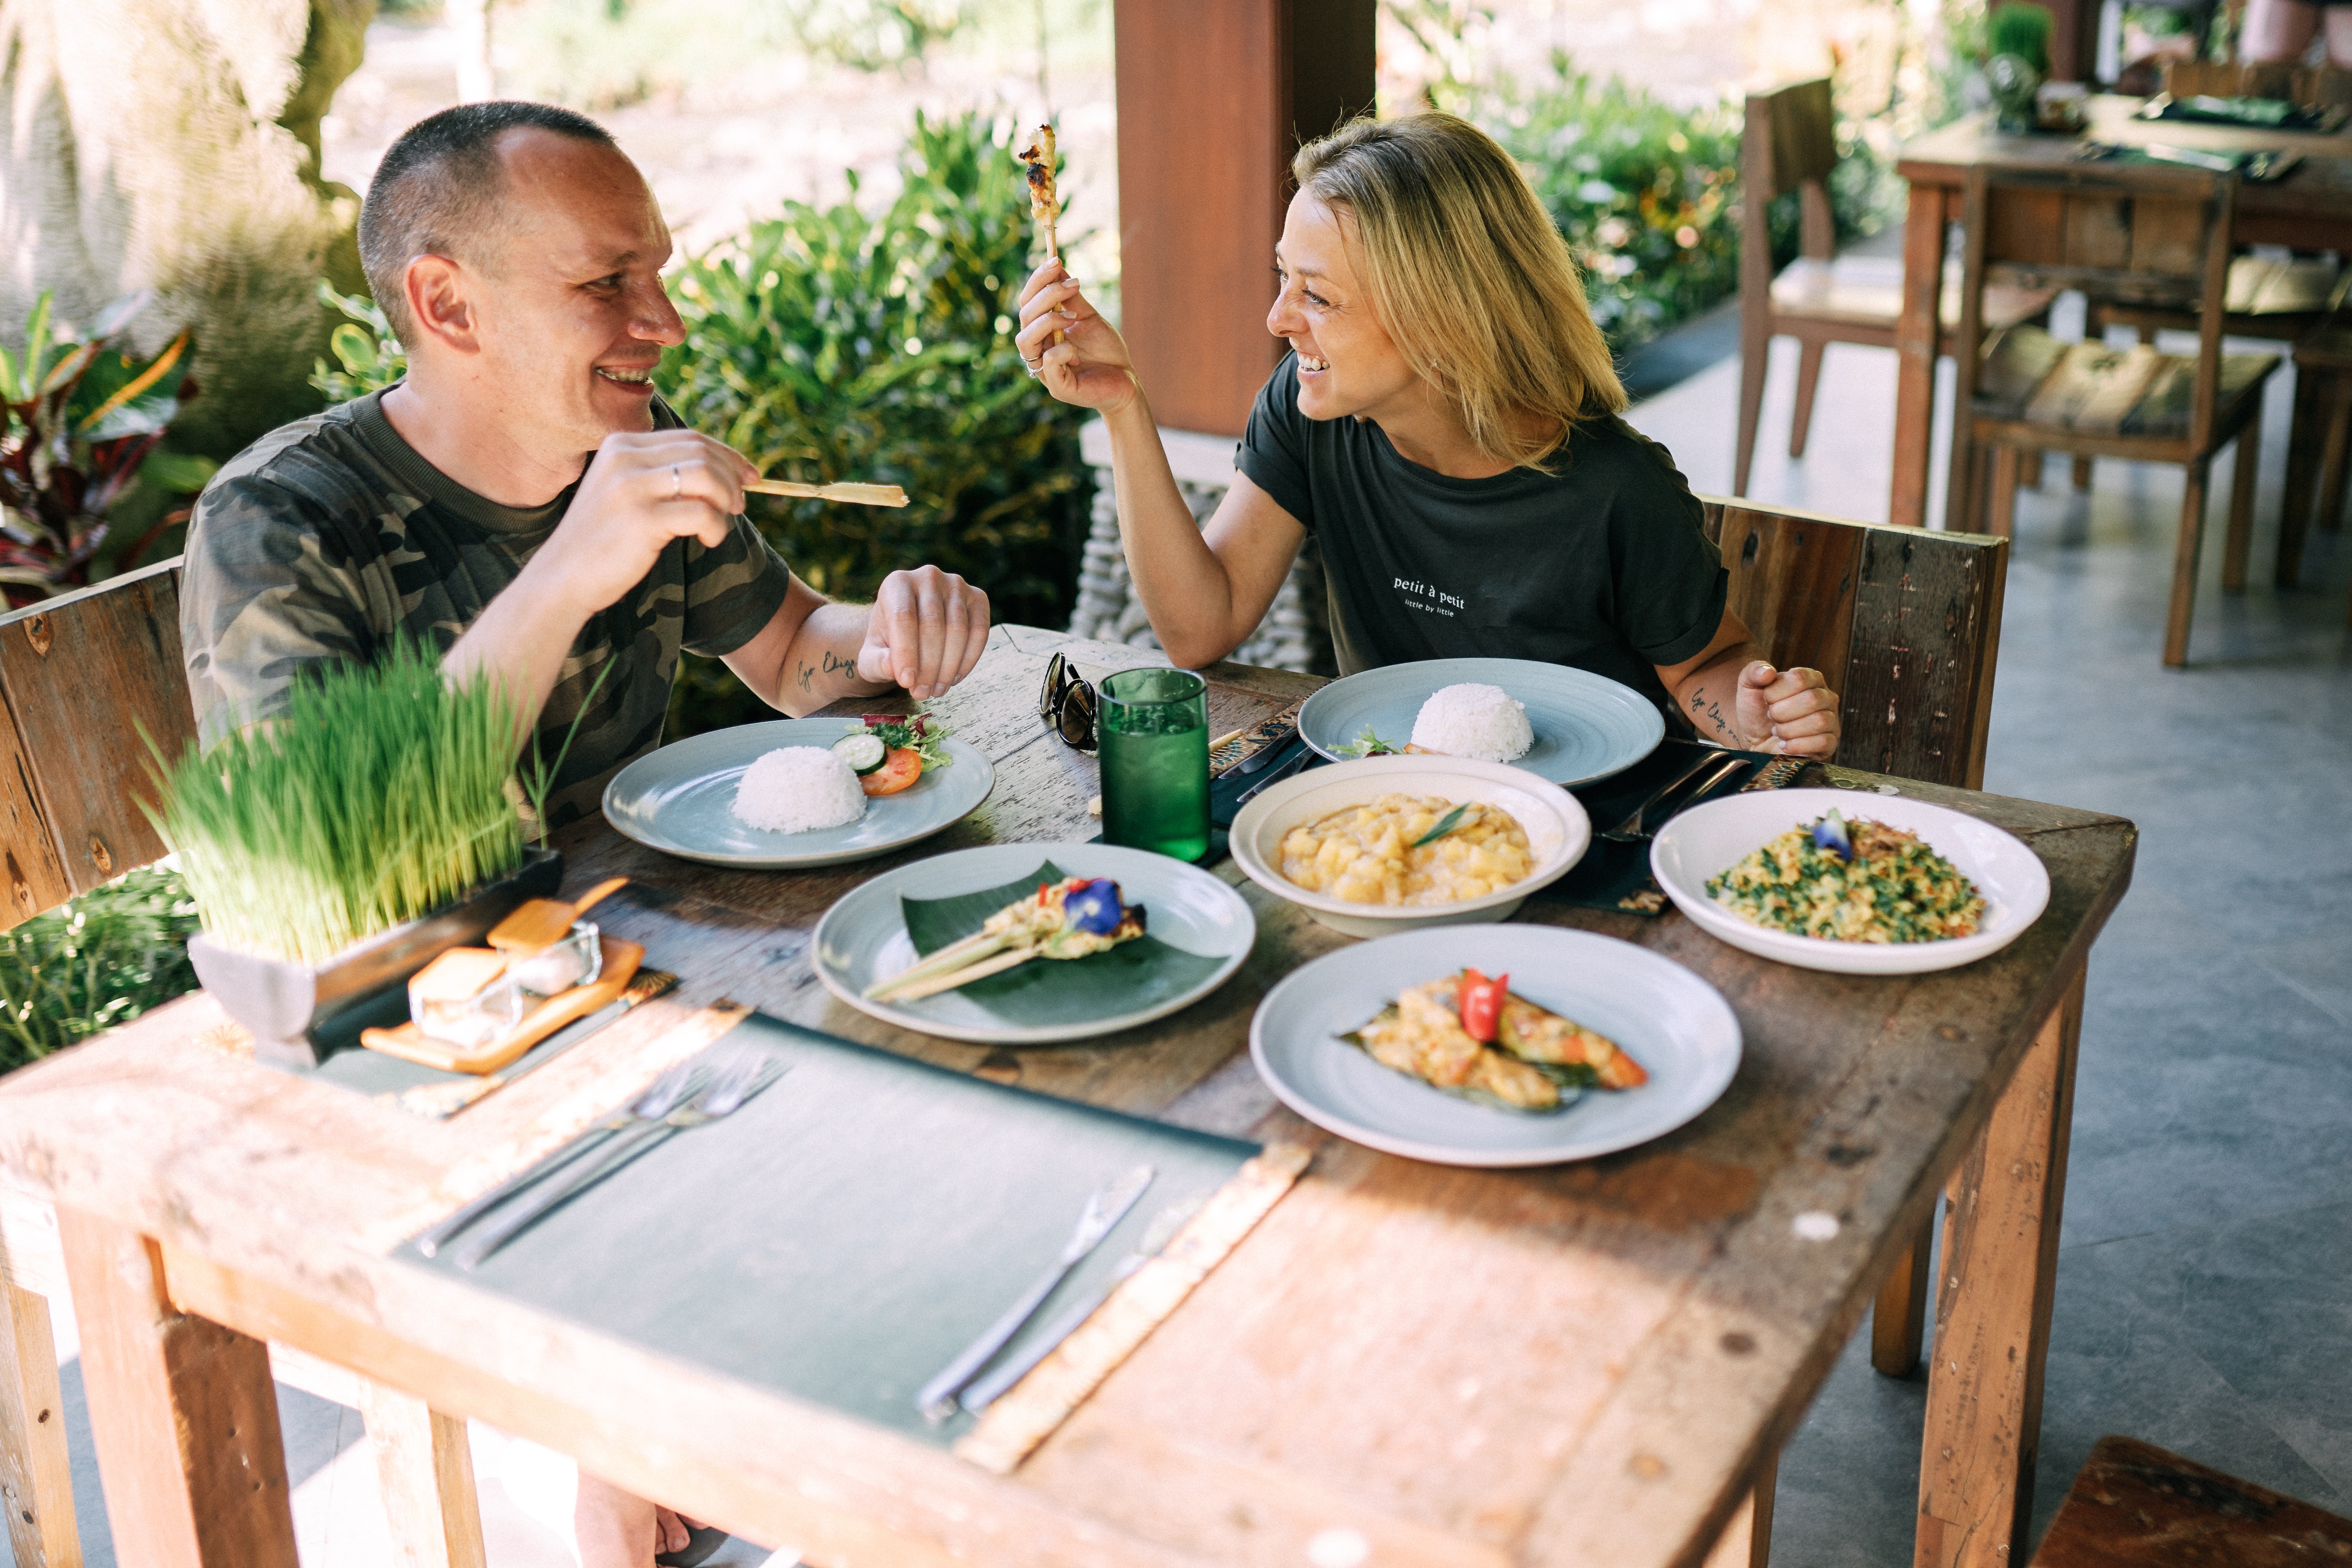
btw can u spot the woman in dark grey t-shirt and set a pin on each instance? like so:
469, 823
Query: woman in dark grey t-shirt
1446, 426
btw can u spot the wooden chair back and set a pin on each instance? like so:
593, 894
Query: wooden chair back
2314, 87
1788, 144
1904, 623
2228, 78
80, 676
2134, 234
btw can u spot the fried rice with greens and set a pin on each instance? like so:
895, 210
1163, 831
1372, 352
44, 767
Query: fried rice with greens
1851, 882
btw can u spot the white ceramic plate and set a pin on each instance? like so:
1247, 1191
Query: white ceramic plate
1708, 840
1558, 833
1587, 726
681, 800
862, 937
1667, 1018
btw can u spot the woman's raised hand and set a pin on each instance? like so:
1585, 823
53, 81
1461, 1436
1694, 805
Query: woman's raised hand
1089, 367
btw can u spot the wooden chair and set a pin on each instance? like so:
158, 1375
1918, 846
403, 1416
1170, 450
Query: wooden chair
81, 675
1819, 298
1906, 625
2318, 442
2136, 1506
2143, 234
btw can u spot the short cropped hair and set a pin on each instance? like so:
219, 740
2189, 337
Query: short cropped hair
1469, 277
436, 187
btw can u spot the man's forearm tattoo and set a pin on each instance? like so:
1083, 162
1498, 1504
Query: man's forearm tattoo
1704, 705
833, 664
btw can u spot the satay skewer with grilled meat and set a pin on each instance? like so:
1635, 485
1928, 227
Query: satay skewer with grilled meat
1045, 202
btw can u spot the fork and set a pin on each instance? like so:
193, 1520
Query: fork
736, 1082
1631, 830
661, 1097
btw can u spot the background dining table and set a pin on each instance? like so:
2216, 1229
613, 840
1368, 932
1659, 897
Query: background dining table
2308, 208
1591, 1364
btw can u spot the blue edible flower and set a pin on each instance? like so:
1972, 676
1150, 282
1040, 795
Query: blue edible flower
1829, 834
1094, 908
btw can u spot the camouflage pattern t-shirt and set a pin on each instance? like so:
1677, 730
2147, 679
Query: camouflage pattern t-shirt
328, 535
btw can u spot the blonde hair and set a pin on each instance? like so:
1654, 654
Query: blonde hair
1469, 277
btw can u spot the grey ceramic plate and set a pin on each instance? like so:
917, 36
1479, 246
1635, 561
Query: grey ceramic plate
1671, 1022
1587, 726
862, 937
680, 800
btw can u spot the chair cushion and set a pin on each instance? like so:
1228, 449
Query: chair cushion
1868, 291
2027, 374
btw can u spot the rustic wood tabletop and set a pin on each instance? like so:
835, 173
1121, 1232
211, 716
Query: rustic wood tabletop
1403, 1363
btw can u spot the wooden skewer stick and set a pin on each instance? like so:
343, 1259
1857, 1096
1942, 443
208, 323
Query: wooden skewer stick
857, 494
1044, 203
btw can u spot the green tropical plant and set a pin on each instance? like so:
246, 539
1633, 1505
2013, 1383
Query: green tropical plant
844, 344
368, 358
380, 792
81, 431
101, 960
874, 34
1645, 194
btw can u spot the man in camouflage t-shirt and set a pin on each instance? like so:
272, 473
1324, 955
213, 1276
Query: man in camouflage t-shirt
523, 502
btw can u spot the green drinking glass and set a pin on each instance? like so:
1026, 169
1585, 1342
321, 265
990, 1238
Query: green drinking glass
1155, 762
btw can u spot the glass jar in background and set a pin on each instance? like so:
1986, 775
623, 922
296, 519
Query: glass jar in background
1155, 761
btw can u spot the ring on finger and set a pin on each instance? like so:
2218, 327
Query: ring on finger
677, 483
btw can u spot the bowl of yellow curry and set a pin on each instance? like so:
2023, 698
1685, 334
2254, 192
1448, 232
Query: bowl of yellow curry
1392, 844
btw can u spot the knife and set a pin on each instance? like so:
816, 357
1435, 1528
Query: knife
987, 1388
1256, 760
1630, 830
1109, 1205
1298, 760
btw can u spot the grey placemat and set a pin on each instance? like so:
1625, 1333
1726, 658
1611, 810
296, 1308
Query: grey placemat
843, 1235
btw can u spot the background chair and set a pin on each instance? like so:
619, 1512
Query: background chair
81, 676
1905, 626
1819, 299
2137, 1506
2137, 234
2316, 466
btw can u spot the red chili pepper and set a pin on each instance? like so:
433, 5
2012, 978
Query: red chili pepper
1480, 1002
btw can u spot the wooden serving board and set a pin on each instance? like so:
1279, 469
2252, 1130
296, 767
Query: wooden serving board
411, 1043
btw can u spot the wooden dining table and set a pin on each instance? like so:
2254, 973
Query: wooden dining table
1403, 1363
2309, 209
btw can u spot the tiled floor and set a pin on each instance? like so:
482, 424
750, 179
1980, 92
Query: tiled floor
2205, 1287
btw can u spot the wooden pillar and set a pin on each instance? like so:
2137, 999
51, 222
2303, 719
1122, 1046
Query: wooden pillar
182, 1410
1215, 96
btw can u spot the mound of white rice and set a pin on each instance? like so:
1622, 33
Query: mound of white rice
798, 788
1472, 720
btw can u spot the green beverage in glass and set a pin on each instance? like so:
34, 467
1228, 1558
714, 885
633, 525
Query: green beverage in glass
1155, 762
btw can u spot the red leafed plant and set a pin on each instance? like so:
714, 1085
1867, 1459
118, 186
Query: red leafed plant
83, 425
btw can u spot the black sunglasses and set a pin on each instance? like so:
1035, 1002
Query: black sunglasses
1069, 704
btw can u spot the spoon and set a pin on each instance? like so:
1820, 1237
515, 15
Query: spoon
540, 923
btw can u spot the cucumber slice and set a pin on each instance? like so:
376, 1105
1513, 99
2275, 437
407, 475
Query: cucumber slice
864, 753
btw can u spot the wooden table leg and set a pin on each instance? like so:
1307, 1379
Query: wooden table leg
1915, 350
35, 1473
427, 1468
1747, 1541
1999, 1275
1898, 1317
182, 1411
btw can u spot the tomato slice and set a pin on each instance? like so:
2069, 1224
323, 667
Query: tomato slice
898, 771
